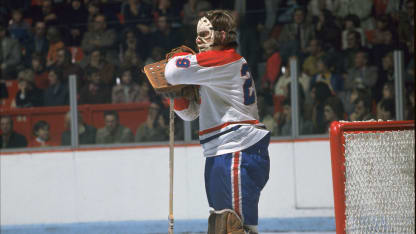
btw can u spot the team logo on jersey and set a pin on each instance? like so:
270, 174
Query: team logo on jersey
183, 62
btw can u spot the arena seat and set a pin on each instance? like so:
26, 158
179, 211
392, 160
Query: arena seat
12, 89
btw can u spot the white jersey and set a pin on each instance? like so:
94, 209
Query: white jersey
228, 115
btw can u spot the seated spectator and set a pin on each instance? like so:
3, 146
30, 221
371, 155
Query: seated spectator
327, 75
333, 110
362, 110
386, 109
387, 92
93, 10
106, 70
28, 95
388, 44
75, 18
10, 55
352, 23
165, 8
192, 10
67, 68
319, 93
113, 131
282, 88
45, 12
38, 44
353, 46
294, 37
273, 64
127, 91
363, 10
138, 14
155, 128
8, 137
361, 72
55, 43
94, 92
57, 94
164, 36
349, 98
19, 29
99, 37
385, 74
41, 75
410, 105
86, 133
132, 51
327, 31
156, 55
315, 51
42, 137
284, 121
376, 36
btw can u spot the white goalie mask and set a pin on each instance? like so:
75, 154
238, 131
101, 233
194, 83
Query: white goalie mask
205, 34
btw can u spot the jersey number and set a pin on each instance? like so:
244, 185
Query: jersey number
183, 62
248, 86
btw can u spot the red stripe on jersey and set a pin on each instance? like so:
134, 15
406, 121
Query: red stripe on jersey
226, 124
214, 58
236, 182
180, 104
180, 54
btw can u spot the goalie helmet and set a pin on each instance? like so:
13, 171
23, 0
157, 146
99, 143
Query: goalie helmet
210, 29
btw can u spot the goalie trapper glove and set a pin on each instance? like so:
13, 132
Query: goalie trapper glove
155, 73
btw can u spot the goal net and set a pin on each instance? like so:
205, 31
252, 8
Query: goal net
373, 169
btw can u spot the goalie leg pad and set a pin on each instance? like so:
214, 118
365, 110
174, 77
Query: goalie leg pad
225, 222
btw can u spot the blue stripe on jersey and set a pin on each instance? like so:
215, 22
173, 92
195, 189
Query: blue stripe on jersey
208, 139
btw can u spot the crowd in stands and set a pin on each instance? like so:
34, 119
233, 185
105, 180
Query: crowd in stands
344, 49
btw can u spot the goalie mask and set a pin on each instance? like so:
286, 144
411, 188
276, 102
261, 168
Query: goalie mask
205, 34
216, 28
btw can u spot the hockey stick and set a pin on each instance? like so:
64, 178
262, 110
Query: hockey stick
171, 159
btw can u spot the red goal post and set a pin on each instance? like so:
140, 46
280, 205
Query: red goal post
363, 216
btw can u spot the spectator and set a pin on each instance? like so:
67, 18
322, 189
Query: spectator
67, 68
350, 97
319, 93
385, 74
45, 12
286, 9
164, 36
75, 19
156, 55
132, 50
315, 51
138, 14
362, 110
10, 55
41, 75
315, 7
410, 105
353, 46
57, 94
105, 69
333, 110
192, 11
127, 91
39, 44
10, 138
99, 37
376, 36
327, 75
165, 8
94, 92
386, 110
113, 131
273, 64
55, 43
295, 37
86, 133
327, 31
406, 22
93, 10
387, 93
361, 72
352, 23
42, 135
155, 128
388, 44
19, 29
28, 95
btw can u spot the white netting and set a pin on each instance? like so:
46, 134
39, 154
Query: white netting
379, 182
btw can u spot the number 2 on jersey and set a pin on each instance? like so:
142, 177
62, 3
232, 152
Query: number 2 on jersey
248, 86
